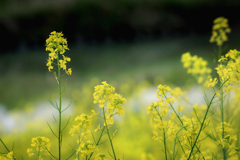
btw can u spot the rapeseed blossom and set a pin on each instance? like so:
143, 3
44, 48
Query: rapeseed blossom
159, 110
86, 148
40, 147
219, 30
228, 70
100, 157
231, 69
197, 66
57, 45
84, 122
212, 82
105, 93
82, 130
192, 128
8, 156
102, 93
228, 141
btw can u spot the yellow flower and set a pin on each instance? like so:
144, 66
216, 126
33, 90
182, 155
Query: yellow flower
105, 93
57, 45
212, 82
196, 66
69, 72
220, 28
179, 108
86, 148
98, 128
40, 146
100, 157
102, 93
8, 156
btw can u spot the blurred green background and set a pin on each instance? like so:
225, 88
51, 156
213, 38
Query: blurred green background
132, 44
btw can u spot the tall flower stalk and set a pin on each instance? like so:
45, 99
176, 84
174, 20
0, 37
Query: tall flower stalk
106, 93
103, 94
203, 121
57, 45
219, 30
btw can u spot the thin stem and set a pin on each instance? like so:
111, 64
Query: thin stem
97, 142
79, 139
175, 142
109, 134
4, 145
71, 155
50, 153
219, 52
180, 121
221, 107
222, 118
205, 116
164, 137
59, 109
165, 145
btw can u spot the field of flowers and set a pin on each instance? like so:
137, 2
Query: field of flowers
99, 117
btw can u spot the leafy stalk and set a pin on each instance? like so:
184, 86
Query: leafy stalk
59, 109
205, 116
164, 137
109, 137
180, 121
97, 142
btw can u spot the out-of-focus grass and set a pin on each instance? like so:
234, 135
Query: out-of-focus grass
25, 77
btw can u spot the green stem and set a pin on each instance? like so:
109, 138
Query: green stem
180, 121
97, 142
109, 134
4, 145
222, 117
219, 52
221, 107
175, 142
205, 116
59, 109
38, 152
165, 145
79, 138
164, 137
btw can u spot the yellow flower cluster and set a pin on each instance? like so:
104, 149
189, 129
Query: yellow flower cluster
158, 110
231, 70
86, 148
102, 93
219, 30
8, 156
229, 140
197, 67
106, 93
227, 128
100, 157
84, 122
228, 69
40, 147
192, 128
57, 45
82, 130
212, 82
